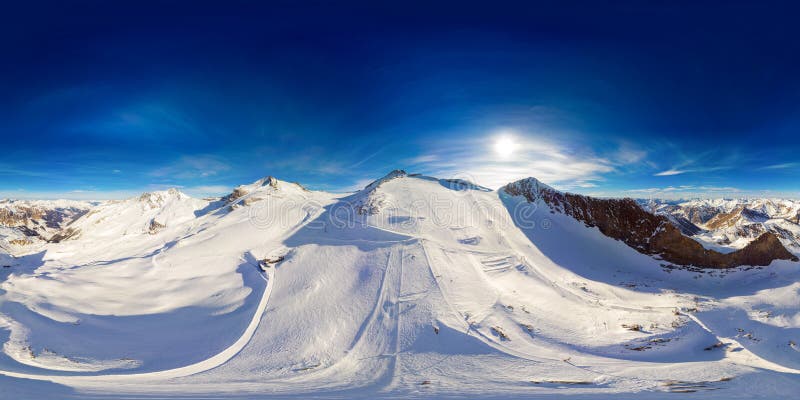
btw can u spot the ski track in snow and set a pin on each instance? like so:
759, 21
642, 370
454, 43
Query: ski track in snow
473, 288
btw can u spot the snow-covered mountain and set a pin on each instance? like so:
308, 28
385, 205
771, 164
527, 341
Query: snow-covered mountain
728, 225
648, 233
26, 222
149, 213
411, 287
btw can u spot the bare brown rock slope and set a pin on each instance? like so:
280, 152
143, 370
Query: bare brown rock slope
36, 222
625, 220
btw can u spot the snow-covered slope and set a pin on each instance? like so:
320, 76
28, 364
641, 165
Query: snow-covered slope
412, 287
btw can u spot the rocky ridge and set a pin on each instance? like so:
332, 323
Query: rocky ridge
648, 233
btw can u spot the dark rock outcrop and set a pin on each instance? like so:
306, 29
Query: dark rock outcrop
155, 227
65, 234
627, 221
686, 227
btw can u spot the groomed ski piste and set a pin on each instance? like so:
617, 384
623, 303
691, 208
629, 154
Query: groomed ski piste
413, 287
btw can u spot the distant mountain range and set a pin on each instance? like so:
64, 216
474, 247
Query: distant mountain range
719, 226
728, 225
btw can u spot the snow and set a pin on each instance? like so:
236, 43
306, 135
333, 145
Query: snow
412, 287
23, 230
747, 219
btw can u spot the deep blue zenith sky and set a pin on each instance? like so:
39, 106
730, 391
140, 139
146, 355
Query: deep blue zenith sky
642, 98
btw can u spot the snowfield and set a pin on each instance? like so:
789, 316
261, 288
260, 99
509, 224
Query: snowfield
412, 287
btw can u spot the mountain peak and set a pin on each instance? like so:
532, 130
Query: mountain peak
530, 187
398, 173
265, 186
158, 198
267, 181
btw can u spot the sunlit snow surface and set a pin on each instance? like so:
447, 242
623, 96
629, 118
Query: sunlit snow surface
416, 287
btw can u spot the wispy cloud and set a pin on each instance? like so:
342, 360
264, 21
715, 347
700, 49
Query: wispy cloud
367, 158
708, 161
675, 171
423, 159
781, 166
189, 167
629, 154
686, 188
671, 172
553, 162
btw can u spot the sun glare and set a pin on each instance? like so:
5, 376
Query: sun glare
505, 146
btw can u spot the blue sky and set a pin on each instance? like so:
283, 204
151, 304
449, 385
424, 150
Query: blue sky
105, 100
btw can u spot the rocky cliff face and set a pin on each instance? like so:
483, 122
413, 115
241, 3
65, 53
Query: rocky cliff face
627, 221
675, 215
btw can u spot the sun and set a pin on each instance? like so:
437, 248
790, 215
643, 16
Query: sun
505, 146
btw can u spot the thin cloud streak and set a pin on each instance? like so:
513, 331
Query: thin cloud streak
552, 162
671, 172
781, 166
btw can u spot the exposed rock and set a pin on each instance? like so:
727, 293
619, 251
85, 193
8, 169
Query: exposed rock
371, 205
66, 234
33, 221
27, 231
498, 331
244, 190
235, 195
625, 220
686, 227
398, 173
250, 200
20, 242
37, 217
369, 201
271, 181
633, 327
155, 227
734, 221
729, 219
700, 215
